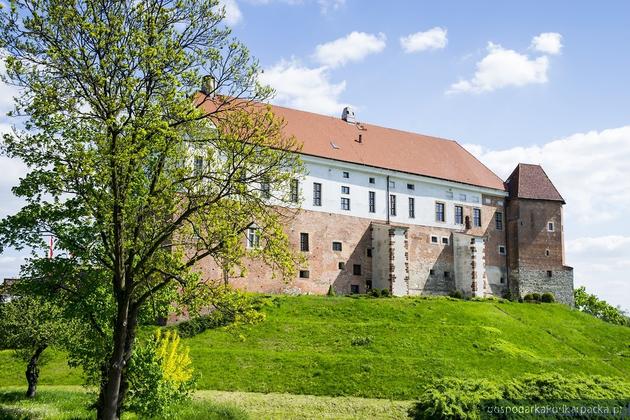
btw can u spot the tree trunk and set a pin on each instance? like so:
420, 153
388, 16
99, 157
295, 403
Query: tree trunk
131, 336
32, 372
110, 391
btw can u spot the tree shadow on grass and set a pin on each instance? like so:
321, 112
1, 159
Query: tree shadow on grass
12, 396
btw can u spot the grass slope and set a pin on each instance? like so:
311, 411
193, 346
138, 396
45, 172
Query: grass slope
305, 346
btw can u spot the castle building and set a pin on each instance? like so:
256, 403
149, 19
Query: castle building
414, 214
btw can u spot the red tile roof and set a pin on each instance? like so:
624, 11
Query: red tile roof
381, 147
531, 181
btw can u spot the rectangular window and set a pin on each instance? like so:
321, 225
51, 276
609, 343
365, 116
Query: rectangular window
549, 273
304, 242
265, 189
345, 189
356, 269
447, 274
345, 203
304, 274
198, 165
372, 180
253, 238
392, 184
369, 252
459, 215
354, 289
372, 201
449, 195
411, 187
341, 265
462, 197
392, 205
550, 227
412, 208
502, 280
498, 220
431, 272
444, 240
295, 190
477, 217
317, 194
439, 212
501, 249
434, 239
346, 174
474, 199
336, 246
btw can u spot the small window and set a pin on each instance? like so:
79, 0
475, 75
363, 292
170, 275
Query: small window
549, 273
368, 284
346, 174
342, 265
462, 197
198, 165
550, 227
345, 203
253, 238
412, 208
502, 280
474, 199
372, 180
369, 252
392, 184
447, 275
304, 274
295, 193
336, 246
304, 242
317, 194
356, 269
345, 189
431, 272
372, 201
501, 249
498, 220
487, 201
392, 204
499, 202
449, 195
354, 289
477, 217
265, 189
546, 252
459, 215
444, 240
411, 187
434, 239
439, 212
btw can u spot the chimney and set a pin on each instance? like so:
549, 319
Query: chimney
348, 115
208, 85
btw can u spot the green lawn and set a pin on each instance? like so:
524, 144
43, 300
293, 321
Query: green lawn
305, 346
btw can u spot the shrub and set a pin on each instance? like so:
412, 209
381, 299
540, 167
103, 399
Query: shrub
362, 340
160, 375
375, 293
457, 294
547, 298
536, 297
331, 291
385, 293
528, 297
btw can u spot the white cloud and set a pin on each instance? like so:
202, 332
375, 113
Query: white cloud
325, 6
233, 14
433, 39
353, 47
309, 89
547, 43
501, 68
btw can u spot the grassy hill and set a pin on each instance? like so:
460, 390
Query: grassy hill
389, 348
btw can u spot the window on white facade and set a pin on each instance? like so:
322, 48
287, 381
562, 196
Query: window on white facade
550, 227
392, 205
295, 190
253, 238
372, 180
411, 187
459, 215
345, 189
439, 212
412, 208
372, 201
462, 197
346, 174
501, 249
392, 184
317, 194
345, 203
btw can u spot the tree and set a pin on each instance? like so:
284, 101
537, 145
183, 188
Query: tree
137, 175
29, 326
601, 309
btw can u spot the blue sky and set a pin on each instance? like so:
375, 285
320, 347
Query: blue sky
537, 81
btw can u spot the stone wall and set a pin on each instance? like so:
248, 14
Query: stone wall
530, 280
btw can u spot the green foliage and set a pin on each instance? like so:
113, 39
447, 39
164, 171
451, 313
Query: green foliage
536, 297
362, 340
592, 305
463, 399
385, 293
160, 375
547, 298
457, 294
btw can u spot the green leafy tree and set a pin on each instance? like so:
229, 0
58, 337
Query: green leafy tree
29, 326
601, 309
137, 175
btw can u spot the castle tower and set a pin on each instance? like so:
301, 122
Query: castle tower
535, 245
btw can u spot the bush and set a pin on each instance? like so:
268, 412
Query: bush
464, 399
374, 293
457, 294
528, 297
362, 341
385, 293
160, 375
536, 297
547, 298
592, 305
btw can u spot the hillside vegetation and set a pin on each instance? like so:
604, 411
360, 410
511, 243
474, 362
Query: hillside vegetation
390, 347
